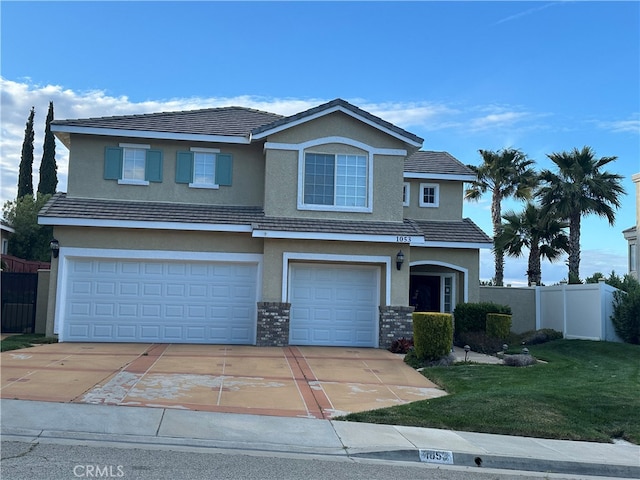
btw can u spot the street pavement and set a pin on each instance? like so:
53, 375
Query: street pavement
35, 421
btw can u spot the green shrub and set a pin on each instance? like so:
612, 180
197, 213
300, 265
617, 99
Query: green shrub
498, 325
626, 314
543, 335
472, 317
432, 335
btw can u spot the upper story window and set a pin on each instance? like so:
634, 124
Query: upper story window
134, 160
429, 194
406, 194
133, 164
204, 168
336, 180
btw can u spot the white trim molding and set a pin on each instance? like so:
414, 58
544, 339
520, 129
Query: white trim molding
440, 176
90, 222
471, 245
326, 258
344, 237
115, 132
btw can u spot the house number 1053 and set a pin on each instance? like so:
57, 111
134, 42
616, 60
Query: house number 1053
403, 239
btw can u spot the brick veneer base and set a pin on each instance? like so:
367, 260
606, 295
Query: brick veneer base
273, 324
395, 322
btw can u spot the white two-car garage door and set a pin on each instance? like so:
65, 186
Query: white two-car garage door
334, 305
117, 300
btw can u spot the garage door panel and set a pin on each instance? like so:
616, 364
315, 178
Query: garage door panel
159, 301
334, 305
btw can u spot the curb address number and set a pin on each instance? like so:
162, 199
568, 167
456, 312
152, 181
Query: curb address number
436, 456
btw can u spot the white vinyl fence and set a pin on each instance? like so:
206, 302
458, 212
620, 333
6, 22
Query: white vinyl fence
578, 311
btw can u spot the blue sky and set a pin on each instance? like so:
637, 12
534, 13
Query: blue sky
542, 77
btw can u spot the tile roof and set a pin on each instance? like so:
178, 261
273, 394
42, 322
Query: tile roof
454, 231
60, 206
225, 121
338, 102
436, 163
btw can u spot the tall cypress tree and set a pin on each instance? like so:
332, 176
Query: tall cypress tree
48, 168
25, 180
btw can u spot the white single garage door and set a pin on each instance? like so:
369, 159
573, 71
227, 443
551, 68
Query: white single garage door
117, 300
334, 305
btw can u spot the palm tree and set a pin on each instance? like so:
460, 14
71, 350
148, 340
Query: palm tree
505, 173
543, 235
579, 187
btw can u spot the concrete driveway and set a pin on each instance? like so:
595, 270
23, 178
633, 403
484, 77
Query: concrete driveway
313, 382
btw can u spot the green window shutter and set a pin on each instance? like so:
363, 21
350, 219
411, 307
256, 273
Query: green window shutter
224, 168
153, 166
112, 163
184, 167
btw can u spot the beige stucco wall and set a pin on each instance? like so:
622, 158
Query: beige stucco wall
450, 202
337, 124
42, 301
86, 173
172, 240
522, 302
275, 248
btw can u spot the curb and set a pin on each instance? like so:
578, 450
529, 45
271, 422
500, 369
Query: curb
504, 463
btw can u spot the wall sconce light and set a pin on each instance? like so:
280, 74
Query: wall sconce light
399, 260
55, 248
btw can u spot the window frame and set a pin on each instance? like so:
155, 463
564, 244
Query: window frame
210, 151
406, 194
368, 159
436, 195
133, 146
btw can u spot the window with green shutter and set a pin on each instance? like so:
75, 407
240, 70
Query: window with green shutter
133, 164
204, 168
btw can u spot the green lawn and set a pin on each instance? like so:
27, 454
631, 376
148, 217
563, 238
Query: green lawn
587, 391
14, 342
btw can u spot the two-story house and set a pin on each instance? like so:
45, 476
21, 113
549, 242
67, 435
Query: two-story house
238, 226
631, 234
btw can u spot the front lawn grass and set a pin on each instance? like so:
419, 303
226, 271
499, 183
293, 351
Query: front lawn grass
587, 391
15, 342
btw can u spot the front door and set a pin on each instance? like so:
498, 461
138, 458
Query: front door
424, 293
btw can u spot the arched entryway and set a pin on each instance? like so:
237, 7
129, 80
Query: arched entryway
436, 286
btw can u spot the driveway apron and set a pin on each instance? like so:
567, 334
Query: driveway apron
313, 382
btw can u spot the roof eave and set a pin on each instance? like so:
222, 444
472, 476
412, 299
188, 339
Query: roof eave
60, 130
337, 108
441, 176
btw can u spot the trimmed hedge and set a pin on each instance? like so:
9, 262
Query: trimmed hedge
472, 317
498, 325
432, 335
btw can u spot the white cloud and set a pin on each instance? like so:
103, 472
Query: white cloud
631, 125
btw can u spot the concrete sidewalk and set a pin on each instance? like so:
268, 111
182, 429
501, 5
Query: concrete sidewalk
33, 421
